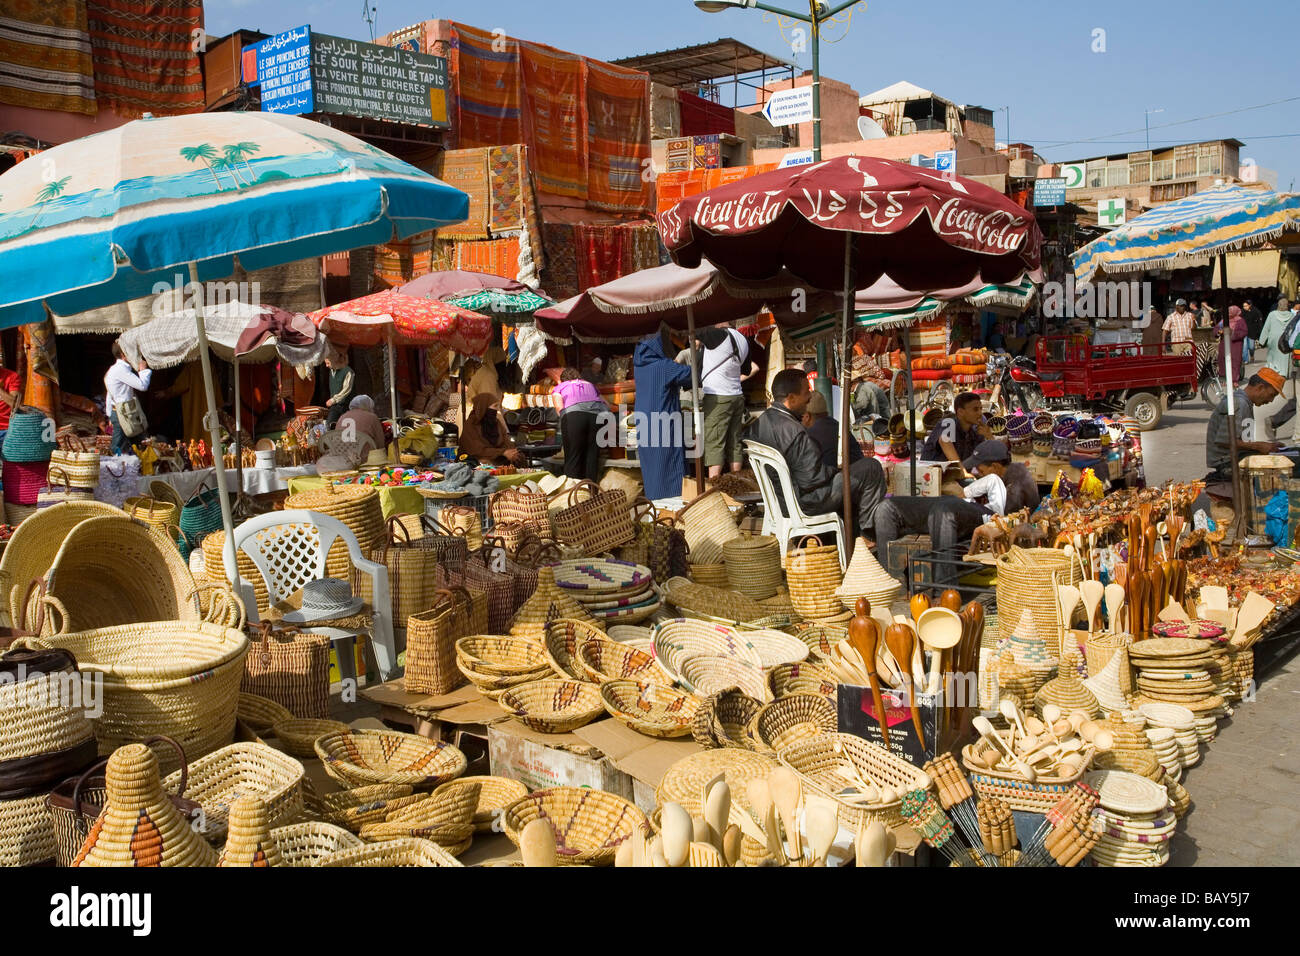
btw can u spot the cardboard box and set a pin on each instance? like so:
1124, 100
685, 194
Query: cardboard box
644, 759
897, 552
438, 717
929, 480
540, 761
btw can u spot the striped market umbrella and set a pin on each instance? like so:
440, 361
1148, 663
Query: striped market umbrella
158, 202
1221, 219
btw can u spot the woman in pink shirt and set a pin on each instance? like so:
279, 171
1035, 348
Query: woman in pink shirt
583, 413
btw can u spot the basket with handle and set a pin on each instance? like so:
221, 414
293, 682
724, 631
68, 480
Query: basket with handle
464, 520
79, 463
601, 523
58, 489
431, 640
813, 574
413, 565
479, 576
529, 508
201, 514
23, 481
30, 436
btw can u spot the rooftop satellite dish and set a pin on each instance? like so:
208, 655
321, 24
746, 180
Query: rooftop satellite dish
869, 128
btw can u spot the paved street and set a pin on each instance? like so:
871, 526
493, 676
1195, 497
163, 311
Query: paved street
1176, 450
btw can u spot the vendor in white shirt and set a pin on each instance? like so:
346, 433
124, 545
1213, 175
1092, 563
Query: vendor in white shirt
121, 384
724, 368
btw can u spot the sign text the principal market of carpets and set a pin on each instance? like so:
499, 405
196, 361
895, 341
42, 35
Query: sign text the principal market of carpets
380, 82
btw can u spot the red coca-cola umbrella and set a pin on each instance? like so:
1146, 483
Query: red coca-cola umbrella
844, 224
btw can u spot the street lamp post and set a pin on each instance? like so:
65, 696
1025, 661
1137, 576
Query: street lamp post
819, 11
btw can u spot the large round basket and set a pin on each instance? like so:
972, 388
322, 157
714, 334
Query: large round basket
709, 525
113, 570
753, 566
563, 638
603, 659
677, 641
715, 602
684, 783
259, 713
501, 655
802, 678
33, 546
709, 675
178, 678
724, 719
589, 825
494, 795
794, 718
358, 507
1027, 580
817, 759
241, 769
812, 570
358, 757
406, 852
650, 709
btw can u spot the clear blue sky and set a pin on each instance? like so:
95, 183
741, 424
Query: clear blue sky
1190, 59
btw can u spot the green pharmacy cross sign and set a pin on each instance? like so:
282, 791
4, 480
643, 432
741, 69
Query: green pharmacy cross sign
1111, 212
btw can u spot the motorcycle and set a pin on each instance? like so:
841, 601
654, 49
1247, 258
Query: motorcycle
1015, 384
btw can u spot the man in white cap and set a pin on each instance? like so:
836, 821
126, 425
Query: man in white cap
1178, 328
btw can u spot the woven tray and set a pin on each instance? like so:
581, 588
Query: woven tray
678, 640
553, 706
589, 825
602, 576
358, 757
815, 759
650, 709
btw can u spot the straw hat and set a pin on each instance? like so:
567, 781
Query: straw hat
139, 825
249, 842
323, 600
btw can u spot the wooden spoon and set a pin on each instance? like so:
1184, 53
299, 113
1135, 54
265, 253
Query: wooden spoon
901, 642
823, 826
873, 844
537, 844
1114, 602
787, 794
731, 842
1067, 597
1091, 593
951, 599
678, 830
919, 604
985, 730
865, 639
716, 813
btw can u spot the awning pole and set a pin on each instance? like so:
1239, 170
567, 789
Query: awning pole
214, 433
697, 416
850, 539
392, 384
1225, 348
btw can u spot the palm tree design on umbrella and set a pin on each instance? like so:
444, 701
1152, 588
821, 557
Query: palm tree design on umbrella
205, 153
238, 153
50, 191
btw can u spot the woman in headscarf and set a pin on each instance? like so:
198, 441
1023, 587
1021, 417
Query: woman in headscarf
658, 415
486, 436
1237, 332
361, 420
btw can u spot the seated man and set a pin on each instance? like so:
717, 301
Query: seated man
820, 489
1006, 486
825, 432
1260, 389
955, 436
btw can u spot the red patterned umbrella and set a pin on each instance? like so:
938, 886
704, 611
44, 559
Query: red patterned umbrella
390, 316
923, 230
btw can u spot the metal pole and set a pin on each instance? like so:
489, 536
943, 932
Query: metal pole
214, 433
1238, 496
239, 431
911, 410
697, 415
816, 84
392, 383
850, 539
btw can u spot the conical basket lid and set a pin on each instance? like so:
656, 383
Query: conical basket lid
248, 842
1067, 693
536, 611
865, 576
139, 825
1105, 684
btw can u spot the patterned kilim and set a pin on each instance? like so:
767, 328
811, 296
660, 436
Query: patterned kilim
467, 170
487, 88
145, 55
601, 252
555, 119
45, 55
506, 175
618, 147
498, 257
561, 273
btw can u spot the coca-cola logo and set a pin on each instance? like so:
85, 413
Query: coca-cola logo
747, 211
995, 229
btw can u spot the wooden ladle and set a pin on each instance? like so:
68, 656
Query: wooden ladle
865, 638
901, 642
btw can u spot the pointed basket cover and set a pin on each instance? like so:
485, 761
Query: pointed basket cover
1028, 646
537, 610
139, 825
1068, 693
249, 842
865, 577
1105, 684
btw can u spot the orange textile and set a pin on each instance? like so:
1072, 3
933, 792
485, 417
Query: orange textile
488, 92
467, 170
555, 118
672, 188
618, 147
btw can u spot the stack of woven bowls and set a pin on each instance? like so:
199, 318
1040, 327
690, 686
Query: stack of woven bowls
1183, 724
1042, 434
612, 592
1020, 433
358, 507
1166, 749
42, 740
1183, 670
864, 577
753, 566
1137, 818
28, 445
1063, 438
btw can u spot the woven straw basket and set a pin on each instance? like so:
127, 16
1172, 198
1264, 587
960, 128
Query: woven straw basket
589, 825
812, 571
815, 760
357, 506
753, 566
708, 524
1027, 579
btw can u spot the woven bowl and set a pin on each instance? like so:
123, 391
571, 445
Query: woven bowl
603, 660
403, 853
445, 817
794, 718
500, 655
678, 640
259, 713
776, 647
358, 757
299, 735
215, 781
815, 761
306, 844
724, 719
650, 709
801, 678
494, 795
492, 685
821, 638
553, 706
564, 636
589, 824
353, 809
708, 675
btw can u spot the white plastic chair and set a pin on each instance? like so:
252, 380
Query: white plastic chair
782, 515
289, 549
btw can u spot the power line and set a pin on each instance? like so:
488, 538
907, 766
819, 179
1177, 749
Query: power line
1195, 119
